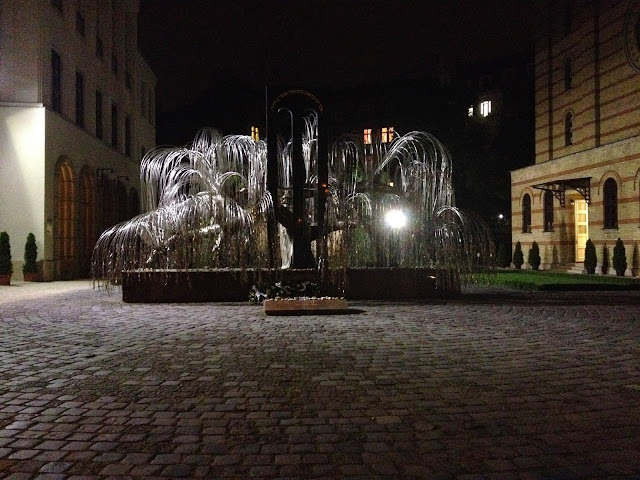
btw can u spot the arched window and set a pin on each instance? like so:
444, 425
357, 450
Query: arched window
526, 214
568, 74
548, 211
65, 235
610, 191
568, 129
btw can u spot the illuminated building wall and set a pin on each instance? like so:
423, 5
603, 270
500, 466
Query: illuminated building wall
586, 179
67, 65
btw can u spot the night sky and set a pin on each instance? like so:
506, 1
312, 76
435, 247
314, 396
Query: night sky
191, 44
213, 60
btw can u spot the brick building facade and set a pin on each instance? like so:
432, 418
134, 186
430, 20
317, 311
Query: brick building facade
585, 183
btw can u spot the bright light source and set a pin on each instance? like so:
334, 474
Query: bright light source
391, 184
500, 216
485, 108
395, 219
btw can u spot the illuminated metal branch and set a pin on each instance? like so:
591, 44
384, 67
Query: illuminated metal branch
207, 206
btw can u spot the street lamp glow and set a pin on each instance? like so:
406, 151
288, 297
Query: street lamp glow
500, 216
395, 219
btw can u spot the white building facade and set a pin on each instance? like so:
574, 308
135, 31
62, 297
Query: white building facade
77, 113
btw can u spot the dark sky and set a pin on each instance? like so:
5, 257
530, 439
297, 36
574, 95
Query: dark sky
321, 43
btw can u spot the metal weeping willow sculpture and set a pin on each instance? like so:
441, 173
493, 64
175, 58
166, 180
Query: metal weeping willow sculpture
211, 205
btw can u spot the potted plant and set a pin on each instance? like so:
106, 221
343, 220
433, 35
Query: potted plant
518, 257
6, 267
534, 256
30, 267
619, 258
590, 258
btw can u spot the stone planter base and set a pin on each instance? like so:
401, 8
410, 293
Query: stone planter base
31, 277
228, 285
5, 279
305, 306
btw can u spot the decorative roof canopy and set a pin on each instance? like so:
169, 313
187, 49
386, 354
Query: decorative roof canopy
558, 187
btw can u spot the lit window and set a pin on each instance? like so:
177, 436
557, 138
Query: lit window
255, 133
367, 136
387, 134
485, 108
470, 111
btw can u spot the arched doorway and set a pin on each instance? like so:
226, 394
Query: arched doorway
87, 220
64, 226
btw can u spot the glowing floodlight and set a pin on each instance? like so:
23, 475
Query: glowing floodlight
395, 219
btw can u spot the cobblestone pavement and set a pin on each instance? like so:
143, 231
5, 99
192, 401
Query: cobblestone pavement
496, 385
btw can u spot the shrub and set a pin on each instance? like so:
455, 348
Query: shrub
518, 257
6, 267
504, 255
605, 260
30, 255
590, 258
534, 256
619, 258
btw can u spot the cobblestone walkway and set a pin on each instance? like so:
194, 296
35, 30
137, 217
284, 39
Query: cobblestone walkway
497, 385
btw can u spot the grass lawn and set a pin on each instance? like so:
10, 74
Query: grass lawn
544, 280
